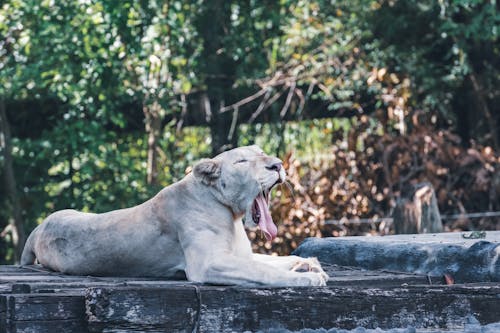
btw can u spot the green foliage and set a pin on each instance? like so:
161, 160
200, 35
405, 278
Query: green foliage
437, 45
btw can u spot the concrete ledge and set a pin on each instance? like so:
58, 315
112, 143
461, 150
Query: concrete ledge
465, 260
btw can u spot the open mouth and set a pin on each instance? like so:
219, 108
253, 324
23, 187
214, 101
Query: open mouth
262, 217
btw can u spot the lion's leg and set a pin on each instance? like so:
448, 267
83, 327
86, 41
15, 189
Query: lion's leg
245, 271
283, 262
292, 263
208, 262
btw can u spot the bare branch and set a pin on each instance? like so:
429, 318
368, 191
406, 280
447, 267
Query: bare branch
325, 89
288, 99
302, 100
310, 89
261, 106
183, 113
274, 98
233, 124
268, 103
243, 101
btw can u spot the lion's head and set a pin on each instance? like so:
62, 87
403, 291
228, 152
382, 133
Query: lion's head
241, 179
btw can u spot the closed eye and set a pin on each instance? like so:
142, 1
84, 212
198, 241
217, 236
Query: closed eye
241, 161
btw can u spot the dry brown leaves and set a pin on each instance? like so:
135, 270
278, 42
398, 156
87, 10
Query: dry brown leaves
363, 183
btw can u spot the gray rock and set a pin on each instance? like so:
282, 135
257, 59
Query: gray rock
466, 260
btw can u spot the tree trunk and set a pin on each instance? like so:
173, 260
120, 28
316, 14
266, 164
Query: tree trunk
220, 70
462, 109
153, 130
220, 128
16, 222
417, 211
483, 106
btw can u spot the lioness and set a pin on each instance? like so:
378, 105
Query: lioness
194, 225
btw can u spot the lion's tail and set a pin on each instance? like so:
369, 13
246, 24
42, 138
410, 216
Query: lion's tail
28, 257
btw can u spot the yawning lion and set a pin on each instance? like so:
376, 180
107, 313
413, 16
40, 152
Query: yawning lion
193, 226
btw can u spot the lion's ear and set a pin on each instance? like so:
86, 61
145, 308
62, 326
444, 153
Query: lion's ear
207, 170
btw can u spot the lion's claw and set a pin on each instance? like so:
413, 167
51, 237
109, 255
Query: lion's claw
310, 265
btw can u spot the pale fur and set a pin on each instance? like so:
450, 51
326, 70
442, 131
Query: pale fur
193, 226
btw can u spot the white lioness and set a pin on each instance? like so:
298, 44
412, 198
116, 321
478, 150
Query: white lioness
194, 225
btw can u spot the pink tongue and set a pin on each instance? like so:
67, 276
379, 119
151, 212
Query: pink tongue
266, 223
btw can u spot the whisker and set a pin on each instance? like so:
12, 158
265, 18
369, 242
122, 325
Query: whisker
290, 188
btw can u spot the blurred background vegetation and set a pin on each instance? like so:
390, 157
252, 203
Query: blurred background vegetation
102, 103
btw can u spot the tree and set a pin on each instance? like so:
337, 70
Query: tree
16, 225
448, 51
159, 54
14, 64
218, 68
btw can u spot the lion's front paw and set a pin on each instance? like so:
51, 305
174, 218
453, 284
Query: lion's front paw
313, 279
310, 265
